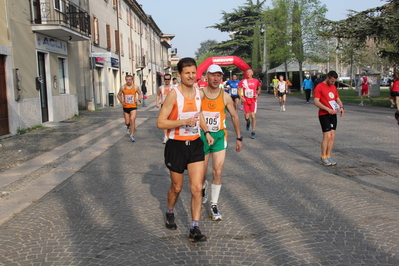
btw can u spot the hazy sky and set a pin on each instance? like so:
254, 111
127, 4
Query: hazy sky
188, 19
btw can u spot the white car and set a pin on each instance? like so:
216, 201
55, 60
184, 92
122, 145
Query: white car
386, 82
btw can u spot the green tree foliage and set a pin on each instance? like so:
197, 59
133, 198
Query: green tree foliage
240, 24
379, 24
278, 28
203, 57
256, 48
205, 47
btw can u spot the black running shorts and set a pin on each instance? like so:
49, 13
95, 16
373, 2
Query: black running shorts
128, 110
178, 154
395, 93
328, 122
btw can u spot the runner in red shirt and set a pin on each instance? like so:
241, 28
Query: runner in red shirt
395, 89
327, 99
250, 89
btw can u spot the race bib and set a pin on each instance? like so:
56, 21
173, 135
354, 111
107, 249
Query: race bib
187, 130
234, 91
334, 105
249, 93
212, 120
129, 98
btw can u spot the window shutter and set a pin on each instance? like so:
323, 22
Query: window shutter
108, 28
117, 47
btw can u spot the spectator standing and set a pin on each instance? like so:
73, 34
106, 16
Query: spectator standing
307, 86
144, 91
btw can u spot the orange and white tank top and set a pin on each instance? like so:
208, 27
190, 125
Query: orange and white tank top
214, 112
130, 97
165, 91
184, 108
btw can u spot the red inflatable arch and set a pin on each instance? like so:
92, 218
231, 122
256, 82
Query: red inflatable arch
222, 61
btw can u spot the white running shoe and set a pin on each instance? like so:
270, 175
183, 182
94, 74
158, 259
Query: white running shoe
332, 161
205, 192
283, 108
361, 104
214, 213
325, 162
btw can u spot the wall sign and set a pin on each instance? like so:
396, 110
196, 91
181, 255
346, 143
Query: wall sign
51, 44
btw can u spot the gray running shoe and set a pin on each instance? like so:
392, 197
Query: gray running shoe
132, 139
128, 132
325, 161
332, 161
371, 100
214, 213
205, 192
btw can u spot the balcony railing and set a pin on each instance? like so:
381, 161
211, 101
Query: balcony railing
141, 62
62, 13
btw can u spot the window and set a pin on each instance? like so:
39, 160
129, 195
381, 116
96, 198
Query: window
60, 5
96, 33
62, 75
117, 45
108, 29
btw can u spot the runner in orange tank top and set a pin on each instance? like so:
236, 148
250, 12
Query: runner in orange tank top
215, 103
127, 95
181, 116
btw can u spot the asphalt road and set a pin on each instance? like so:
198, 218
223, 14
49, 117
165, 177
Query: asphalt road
102, 201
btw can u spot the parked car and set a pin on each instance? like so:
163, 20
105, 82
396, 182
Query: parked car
386, 82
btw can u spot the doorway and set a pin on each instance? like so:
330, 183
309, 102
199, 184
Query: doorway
42, 85
4, 126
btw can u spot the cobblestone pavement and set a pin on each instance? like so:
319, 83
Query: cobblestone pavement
279, 206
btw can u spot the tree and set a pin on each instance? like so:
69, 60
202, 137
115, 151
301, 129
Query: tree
379, 24
305, 17
205, 47
256, 48
278, 28
240, 24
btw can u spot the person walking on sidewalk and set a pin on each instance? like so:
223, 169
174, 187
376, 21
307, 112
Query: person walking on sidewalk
161, 96
130, 96
307, 85
215, 102
282, 93
250, 90
181, 116
327, 99
364, 82
144, 91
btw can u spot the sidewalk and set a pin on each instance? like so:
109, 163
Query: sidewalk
32, 164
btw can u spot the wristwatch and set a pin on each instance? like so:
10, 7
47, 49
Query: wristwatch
240, 138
